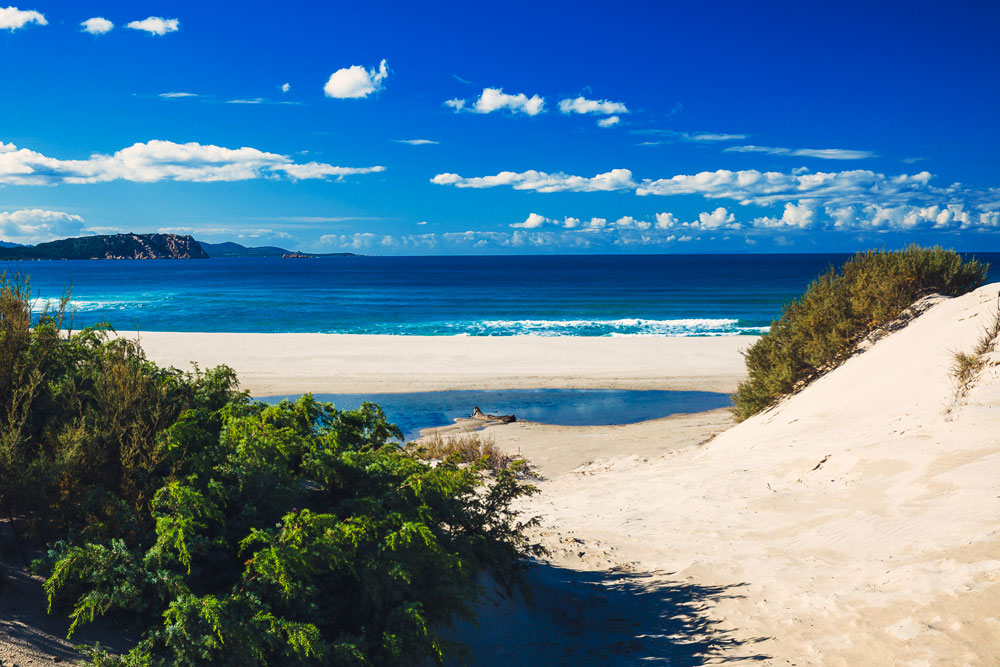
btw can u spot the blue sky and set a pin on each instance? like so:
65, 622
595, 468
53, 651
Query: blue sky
550, 128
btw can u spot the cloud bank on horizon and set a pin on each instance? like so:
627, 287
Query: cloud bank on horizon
554, 148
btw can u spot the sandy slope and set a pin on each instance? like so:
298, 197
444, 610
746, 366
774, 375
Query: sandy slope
275, 364
857, 523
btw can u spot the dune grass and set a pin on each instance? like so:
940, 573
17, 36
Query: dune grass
468, 448
966, 366
819, 330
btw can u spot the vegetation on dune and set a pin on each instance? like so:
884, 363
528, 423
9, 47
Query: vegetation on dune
228, 531
966, 366
822, 328
469, 448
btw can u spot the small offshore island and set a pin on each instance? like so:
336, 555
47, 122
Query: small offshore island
144, 246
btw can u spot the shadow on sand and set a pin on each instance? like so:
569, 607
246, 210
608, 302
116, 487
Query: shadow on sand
581, 617
29, 635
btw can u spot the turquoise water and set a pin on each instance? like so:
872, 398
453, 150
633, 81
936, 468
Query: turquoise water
568, 407
699, 295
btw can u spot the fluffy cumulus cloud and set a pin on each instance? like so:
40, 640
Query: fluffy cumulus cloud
158, 160
12, 18
97, 25
616, 179
763, 188
667, 230
494, 99
29, 226
845, 200
285, 87
155, 25
372, 242
856, 190
582, 105
356, 82
821, 153
533, 221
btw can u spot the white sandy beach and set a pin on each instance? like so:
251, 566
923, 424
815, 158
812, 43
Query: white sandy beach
857, 523
278, 364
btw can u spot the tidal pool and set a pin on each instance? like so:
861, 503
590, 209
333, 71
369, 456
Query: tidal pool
567, 407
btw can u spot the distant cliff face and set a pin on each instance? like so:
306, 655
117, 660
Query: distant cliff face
115, 246
152, 246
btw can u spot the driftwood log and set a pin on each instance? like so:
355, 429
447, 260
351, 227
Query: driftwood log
503, 419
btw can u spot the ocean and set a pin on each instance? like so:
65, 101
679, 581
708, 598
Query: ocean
606, 295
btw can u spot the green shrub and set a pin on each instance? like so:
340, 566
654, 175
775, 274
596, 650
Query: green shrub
232, 532
468, 448
820, 329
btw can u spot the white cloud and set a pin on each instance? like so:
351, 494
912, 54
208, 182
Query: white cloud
674, 135
229, 233
800, 216
12, 18
609, 121
312, 170
853, 199
532, 222
253, 100
821, 153
310, 219
355, 81
582, 105
752, 186
416, 142
877, 217
159, 160
97, 25
708, 136
720, 218
29, 226
494, 99
155, 25
367, 241
177, 95
616, 179
285, 87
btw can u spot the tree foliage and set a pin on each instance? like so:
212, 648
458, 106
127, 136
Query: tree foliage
821, 328
229, 531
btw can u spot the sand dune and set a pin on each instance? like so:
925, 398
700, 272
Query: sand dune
856, 523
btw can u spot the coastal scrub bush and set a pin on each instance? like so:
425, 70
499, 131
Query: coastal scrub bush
468, 448
819, 330
228, 531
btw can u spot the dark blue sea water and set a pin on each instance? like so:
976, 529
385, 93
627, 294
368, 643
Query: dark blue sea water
568, 407
481, 296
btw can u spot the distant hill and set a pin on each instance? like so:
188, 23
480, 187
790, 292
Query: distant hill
230, 249
113, 246
8, 244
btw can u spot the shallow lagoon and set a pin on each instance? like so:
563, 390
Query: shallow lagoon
567, 407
